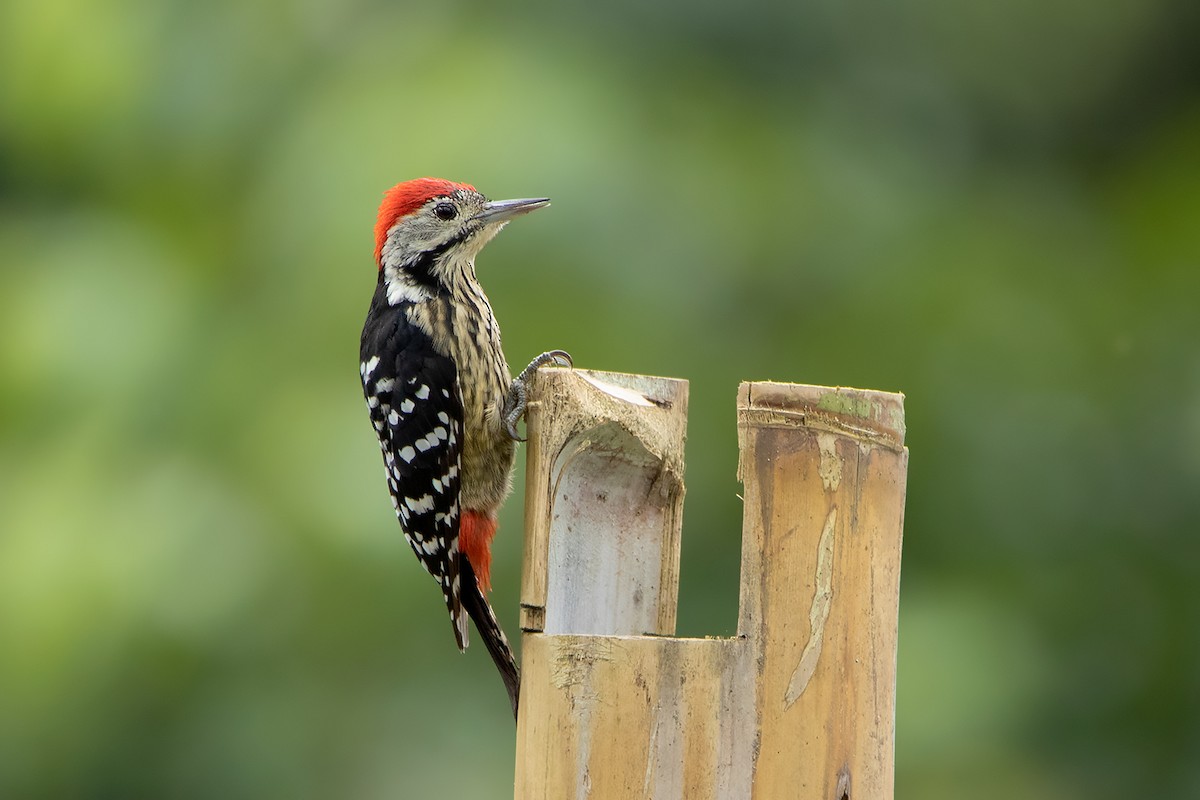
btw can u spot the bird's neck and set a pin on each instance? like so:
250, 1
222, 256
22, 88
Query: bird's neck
428, 274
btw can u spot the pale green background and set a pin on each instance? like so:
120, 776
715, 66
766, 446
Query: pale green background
992, 207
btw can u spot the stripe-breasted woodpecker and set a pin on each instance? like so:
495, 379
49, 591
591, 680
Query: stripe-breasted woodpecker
440, 394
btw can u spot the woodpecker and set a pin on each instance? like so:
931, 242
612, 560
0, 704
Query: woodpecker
441, 399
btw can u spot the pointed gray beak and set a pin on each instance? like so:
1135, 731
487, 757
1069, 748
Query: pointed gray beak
504, 210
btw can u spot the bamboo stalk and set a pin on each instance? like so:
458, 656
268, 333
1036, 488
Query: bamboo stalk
801, 703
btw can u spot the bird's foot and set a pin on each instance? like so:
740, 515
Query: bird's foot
515, 403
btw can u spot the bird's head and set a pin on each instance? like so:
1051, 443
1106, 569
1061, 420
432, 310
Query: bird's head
430, 230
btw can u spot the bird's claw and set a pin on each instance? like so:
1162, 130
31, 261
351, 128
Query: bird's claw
518, 394
558, 357
515, 409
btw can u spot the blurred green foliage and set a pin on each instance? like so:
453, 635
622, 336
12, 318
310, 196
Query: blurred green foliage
991, 207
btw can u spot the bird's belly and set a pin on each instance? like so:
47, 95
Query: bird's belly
488, 452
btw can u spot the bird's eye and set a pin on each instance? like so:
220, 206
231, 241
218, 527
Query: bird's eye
445, 211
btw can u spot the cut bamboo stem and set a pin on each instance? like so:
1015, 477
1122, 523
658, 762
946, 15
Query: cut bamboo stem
801, 703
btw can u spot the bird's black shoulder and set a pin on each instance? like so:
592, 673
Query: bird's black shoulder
387, 328
404, 373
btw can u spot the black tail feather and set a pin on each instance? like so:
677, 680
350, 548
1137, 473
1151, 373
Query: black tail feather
480, 610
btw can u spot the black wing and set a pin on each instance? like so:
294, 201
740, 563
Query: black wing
415, 404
